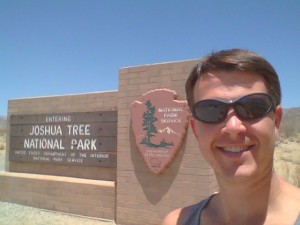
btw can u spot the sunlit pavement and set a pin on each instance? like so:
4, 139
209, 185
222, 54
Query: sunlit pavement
14, 214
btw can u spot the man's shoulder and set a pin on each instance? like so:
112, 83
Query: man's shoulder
294, 197
172, 217
290, 203
292, 192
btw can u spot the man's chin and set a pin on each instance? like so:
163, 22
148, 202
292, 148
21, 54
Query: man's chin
243, 172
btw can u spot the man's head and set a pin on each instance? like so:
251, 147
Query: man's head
234, 60
236, 96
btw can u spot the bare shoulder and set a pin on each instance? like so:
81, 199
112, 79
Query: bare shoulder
172, 217
177, 216
292, 193
290, 203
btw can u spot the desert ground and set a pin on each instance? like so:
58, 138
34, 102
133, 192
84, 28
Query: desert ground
2, 149
287, 160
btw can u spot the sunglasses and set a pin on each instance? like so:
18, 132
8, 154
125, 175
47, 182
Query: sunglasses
248, 107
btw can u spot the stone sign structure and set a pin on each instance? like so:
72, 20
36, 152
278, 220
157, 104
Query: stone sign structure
143, 197
54, 145
125, 155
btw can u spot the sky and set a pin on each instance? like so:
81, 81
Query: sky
59, 47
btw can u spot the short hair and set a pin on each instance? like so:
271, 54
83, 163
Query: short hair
234, 60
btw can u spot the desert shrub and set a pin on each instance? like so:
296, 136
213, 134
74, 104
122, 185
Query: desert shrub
290, 126
287, 161
2, 146
2, 132
2, 138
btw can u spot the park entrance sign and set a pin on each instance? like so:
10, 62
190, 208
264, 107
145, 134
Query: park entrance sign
124, 155
159, 123
79, 138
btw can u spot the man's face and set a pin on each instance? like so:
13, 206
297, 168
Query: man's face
236, 148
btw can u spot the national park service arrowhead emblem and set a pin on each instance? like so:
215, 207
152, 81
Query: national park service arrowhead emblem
159, 123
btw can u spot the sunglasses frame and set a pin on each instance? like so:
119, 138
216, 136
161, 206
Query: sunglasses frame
233, 104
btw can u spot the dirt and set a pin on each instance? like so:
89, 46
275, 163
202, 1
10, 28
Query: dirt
2, 160
13, 214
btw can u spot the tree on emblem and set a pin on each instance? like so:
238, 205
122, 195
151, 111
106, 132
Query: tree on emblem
150, 129
148, 123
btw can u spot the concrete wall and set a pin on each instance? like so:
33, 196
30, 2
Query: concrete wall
142, 196
65, 194
61, 187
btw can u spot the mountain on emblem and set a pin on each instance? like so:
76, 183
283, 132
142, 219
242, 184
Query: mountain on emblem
168, 130
159, 123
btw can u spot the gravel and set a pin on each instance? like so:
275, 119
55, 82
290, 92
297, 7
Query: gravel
14, 214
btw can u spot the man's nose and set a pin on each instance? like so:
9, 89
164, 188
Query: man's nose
233, 125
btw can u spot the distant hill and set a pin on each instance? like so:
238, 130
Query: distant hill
295, 110
3, 121
291, 122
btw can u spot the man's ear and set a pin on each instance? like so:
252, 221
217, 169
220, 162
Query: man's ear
193, 125
278, 116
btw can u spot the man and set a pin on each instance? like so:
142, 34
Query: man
234, 96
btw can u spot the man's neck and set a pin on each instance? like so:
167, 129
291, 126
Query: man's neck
250, 199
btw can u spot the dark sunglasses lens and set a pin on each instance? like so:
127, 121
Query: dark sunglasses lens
253, 106
210, 111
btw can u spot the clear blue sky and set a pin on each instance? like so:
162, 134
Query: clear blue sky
57, 47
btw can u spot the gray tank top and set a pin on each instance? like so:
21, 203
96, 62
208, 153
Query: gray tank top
193, 217
298, 220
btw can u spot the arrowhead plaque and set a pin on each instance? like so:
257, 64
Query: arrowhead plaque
159, 123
